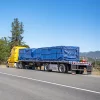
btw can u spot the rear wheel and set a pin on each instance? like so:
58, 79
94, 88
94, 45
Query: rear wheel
62, 68
46, 67
81, 72
88, 73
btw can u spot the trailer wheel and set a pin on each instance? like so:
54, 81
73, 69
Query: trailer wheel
20, 66
81, 72
62, 68
89, 73
46, 67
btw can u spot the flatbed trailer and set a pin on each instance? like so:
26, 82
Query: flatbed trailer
59, 66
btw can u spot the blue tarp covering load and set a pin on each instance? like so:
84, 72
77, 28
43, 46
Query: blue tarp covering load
58, 53
25, 54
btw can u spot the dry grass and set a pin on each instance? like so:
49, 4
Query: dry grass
96, 71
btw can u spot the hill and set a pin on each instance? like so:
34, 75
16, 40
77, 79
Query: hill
93, 55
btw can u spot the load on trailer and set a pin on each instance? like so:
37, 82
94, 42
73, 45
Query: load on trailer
58, 53
59, 58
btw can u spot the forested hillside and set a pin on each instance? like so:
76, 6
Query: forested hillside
93, 55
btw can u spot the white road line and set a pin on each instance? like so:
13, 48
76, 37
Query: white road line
67, 86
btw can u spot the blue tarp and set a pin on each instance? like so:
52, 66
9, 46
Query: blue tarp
25, 54
58, 53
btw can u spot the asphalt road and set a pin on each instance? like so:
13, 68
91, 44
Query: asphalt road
20, 84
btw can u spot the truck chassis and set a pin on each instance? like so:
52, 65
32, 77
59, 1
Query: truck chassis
59, 66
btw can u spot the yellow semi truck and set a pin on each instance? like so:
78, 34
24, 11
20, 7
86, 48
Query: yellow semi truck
49, 65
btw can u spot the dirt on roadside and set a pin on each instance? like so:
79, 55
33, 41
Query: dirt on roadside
96, 72
2, 66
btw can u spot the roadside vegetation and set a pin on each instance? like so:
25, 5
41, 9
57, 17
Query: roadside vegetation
16, 39
96, 67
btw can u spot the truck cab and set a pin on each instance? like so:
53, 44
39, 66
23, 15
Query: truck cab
13, 58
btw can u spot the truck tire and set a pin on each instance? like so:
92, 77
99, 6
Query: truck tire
15, 65
62, 68
46, 67
81, 72
89, 73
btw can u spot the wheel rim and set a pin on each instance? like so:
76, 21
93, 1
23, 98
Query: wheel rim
15, 65
20, 66
46, 67
61, 68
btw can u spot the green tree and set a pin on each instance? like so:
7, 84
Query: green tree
16, 39
17, 31
4, 49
